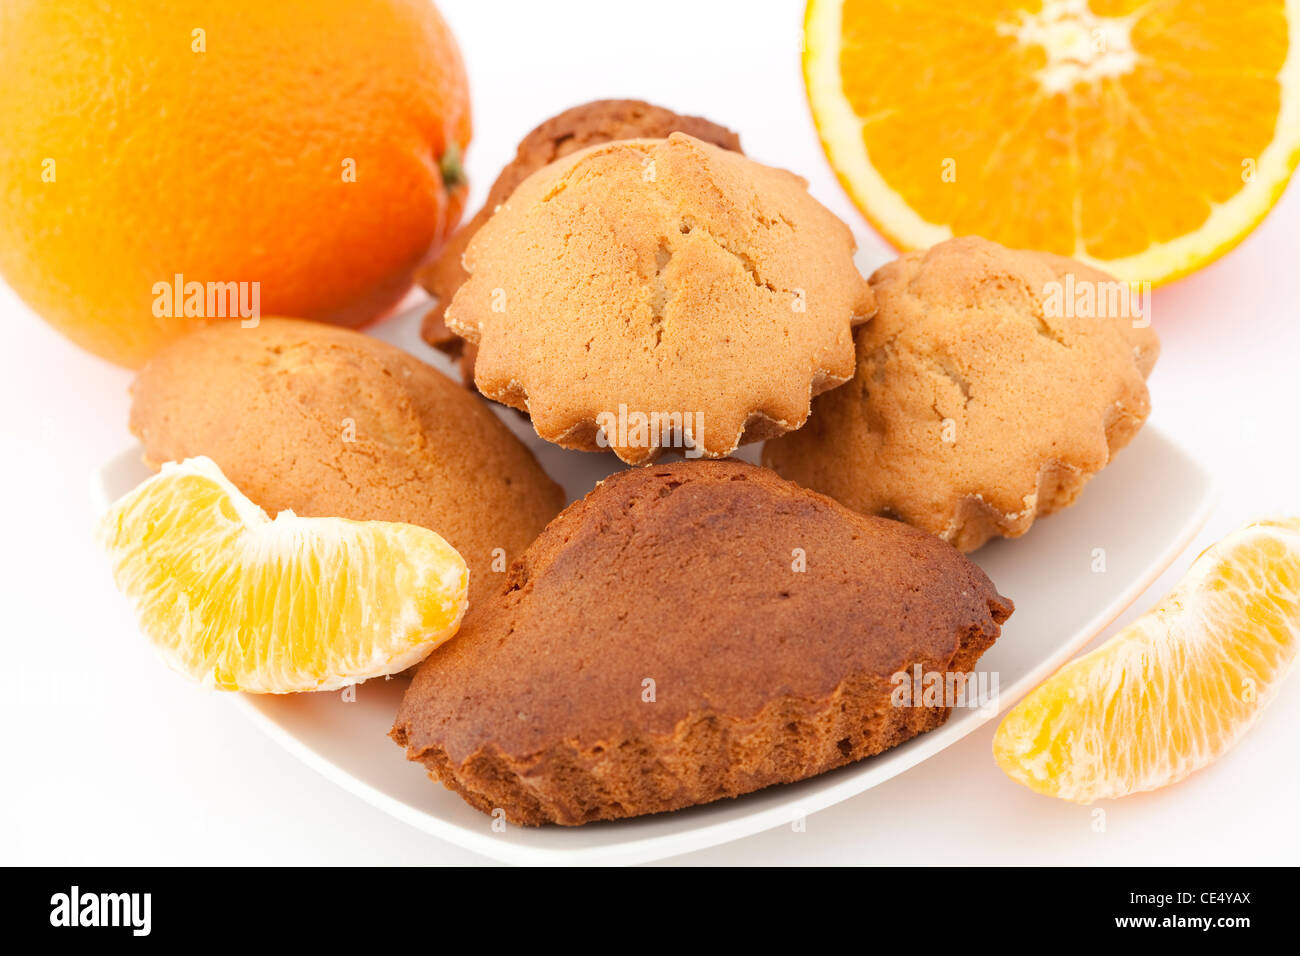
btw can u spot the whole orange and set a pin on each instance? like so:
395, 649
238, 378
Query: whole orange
297, 155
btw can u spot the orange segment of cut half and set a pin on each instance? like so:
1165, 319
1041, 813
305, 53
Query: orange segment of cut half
1174, 690
1146, 137
238, 601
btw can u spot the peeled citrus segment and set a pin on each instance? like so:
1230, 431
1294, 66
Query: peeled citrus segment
1174, 690
238, 601
1143, 138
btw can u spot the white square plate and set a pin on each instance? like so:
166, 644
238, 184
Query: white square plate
1142, 511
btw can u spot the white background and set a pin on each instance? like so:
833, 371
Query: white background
111, 759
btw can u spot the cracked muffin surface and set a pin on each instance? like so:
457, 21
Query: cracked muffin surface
567, 132
661, 277
689, 632
990, 386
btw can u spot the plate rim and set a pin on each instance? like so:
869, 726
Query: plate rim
647, 849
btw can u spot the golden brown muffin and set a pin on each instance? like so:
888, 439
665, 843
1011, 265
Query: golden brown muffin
664, 278
988, 392
576, 128
689, 632
329, 422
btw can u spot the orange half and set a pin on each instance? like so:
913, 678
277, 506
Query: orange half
1145, 137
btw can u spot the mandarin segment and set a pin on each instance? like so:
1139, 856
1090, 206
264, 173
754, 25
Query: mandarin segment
1175, 690
238, 601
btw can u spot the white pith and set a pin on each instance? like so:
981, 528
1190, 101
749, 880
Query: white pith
1080, 46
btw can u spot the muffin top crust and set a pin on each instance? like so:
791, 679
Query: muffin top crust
661, 277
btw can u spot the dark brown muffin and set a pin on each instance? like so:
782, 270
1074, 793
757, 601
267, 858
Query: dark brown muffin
689, 632
329, 422
577, 128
